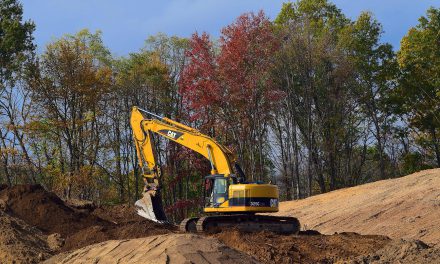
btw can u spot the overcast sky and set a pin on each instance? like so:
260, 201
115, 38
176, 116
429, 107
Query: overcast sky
126, 24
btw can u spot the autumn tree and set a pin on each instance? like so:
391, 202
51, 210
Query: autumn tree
16, 51
418, 93
230, 92
69, 87
317, 77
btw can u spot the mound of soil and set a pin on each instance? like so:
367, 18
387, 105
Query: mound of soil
79, 224
406, 207
123, 230
45, 210
121, 213
170, 248
402, 251
308, 247
21, 243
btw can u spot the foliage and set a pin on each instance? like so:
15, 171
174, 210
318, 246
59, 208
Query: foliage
418, 93
219, 88
15, 40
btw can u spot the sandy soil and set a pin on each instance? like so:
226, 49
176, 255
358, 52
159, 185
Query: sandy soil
401, 251
407, 207
21, 243
170, 248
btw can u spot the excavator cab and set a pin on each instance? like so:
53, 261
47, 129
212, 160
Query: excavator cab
216, 190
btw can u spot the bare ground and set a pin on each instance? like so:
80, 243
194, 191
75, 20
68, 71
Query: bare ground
21, 243
407, 207
35, 224
170, 248
303, 248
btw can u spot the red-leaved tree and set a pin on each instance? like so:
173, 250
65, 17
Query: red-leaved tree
227, 90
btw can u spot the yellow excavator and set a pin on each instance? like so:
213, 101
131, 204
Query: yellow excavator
230, 201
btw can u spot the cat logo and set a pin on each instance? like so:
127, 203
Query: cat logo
171, 134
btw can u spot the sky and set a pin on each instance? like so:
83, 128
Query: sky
126, 24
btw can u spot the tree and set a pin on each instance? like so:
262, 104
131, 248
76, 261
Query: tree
375, 71
418, 93
15, 41
69, 87
16, 50
231, 90
317, 77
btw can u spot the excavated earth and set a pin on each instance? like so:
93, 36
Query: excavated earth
406, 207
37, 226
43, 216
307, 247
169, 248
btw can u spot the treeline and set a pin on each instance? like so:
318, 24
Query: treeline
312, 101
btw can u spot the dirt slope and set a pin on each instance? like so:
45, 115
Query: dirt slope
77, 227
407, 207
170, 248
21, 243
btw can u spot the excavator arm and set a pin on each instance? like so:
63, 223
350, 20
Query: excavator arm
150, 206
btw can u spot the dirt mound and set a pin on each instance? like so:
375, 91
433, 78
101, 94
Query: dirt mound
402, 251
126, 230
21, 243
407, 207
45, 210
122, 222
121, 213
170, 248
271, 248
78, 224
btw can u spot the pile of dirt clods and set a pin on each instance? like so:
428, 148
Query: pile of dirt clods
64, 226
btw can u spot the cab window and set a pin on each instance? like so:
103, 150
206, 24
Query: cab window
220, 186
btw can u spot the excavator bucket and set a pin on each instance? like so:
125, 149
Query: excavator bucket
150, 207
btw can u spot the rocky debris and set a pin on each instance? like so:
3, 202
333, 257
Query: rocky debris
81, 205
55, 242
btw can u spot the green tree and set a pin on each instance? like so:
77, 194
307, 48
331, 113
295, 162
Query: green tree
15, 40
316, 75
16, 50
375, 70
418, 94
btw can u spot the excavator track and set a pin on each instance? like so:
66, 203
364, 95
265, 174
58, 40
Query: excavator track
248, 223
189, 225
